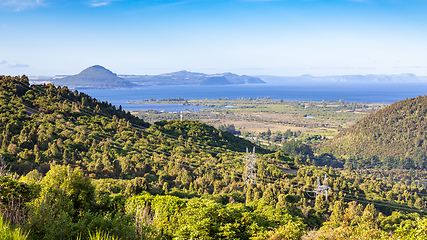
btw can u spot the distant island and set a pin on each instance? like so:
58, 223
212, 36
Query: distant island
93, 77
99, 77
192, 78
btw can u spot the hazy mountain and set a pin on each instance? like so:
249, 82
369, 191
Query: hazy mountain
93, 77
192, 78
384, 78
99, 77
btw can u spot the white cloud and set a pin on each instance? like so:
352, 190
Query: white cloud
20, 5
99, 4
18, 65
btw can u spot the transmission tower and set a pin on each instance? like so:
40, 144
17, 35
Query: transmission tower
250, 171
322, 189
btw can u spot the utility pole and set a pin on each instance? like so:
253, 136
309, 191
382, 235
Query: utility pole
250, 171
322, 189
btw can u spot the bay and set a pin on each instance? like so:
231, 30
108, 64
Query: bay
378, 92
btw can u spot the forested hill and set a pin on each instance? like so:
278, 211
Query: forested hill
394, 136
43, 125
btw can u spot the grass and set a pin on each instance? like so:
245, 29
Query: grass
100, 235
8, 232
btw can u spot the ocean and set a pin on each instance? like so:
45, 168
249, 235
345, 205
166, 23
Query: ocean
350, 92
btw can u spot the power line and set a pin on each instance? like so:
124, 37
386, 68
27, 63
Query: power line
322, 189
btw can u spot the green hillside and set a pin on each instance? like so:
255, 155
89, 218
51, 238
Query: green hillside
394, 136
73, 167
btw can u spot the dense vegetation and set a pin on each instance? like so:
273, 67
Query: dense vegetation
73, 167
393, 137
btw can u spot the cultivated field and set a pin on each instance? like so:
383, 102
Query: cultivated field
257, 115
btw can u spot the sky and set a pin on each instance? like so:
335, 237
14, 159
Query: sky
253, 37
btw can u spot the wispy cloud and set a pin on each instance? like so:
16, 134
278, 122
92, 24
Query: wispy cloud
3, 62
19, 65
20, 5
99, 4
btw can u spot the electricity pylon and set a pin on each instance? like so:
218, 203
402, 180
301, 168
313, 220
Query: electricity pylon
250, 171
322, 189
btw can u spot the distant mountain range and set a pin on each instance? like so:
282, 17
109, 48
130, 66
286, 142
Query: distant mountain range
405, 77
100, 77
192, 78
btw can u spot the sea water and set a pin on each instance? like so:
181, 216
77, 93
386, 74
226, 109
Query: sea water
350, 92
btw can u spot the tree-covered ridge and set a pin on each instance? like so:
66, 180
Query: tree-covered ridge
206, 134
394, 136
48, 99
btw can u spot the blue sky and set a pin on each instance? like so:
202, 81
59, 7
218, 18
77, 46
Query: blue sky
288, 38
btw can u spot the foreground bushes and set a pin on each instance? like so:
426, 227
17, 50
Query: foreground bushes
200, 218
66, 205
